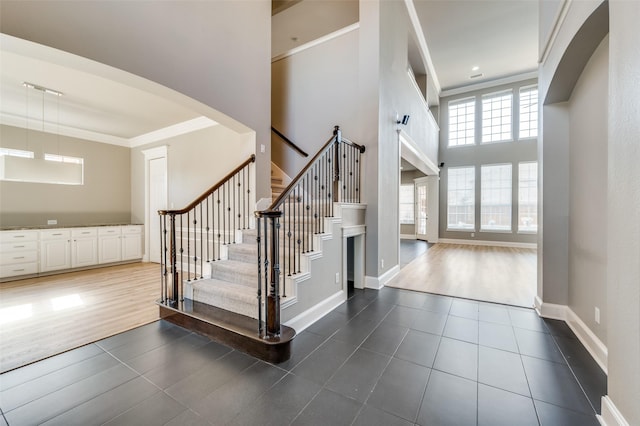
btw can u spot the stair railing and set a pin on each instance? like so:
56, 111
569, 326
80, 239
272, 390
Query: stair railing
289, 142
194, 236
287, 229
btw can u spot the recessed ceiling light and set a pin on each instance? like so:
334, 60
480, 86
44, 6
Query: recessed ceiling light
475, 68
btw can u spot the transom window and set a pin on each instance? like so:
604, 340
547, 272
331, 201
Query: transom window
462, 117
496, 117
495, 205
528, 112
461, 187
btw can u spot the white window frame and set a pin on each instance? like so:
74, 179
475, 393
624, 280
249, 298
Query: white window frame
494, 117
469, 134
456, 227
531, 113
524, 229
486, 192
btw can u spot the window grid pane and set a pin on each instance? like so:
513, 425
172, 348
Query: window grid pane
528, 113
407, 204
528, 197
462, 116
496, 117
461, 198
495, 206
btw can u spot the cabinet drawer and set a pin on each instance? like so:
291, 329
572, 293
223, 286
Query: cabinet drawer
18, 257
13, 236
55, 234
15, 270
84, 232
109, 230
18, 246
136, 229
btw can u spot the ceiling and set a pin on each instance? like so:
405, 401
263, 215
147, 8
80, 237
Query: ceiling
91, 107
500, 37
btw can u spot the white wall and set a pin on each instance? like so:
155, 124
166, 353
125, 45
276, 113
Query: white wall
216, 52
588, 192
191, 165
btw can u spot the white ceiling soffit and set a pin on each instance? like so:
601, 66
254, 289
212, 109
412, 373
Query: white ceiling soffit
500, 37
92, 107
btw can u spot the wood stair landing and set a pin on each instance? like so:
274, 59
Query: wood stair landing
234, 330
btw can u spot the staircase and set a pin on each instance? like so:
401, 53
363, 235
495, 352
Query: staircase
219, 281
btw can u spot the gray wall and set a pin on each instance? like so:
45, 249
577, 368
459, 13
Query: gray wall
623, 239
588, 192
105, 196
217, 52
306, 113
480, 154
189, 165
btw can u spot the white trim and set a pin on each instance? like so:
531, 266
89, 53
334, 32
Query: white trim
407, 236
589, 340
611, 416
353, 230
596, 348
488, 243
311, 315
553, 35
178, 129
152, 154
316, 42
377, 283
422, 44
488, 84
410, 150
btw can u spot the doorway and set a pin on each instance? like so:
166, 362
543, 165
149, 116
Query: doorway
155, 199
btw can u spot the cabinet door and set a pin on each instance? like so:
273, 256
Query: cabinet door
54, 255
131, 246
84, 252
110, 249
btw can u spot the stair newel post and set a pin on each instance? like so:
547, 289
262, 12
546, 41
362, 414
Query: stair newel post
174, 261
272, 308
258, 239
163, 256
336, 163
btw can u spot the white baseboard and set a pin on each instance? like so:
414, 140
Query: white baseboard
407, 236
377, 283
311, 315
611, 416
487, 243
589, 340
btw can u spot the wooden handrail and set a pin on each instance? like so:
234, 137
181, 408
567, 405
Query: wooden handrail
208, 192
289, 142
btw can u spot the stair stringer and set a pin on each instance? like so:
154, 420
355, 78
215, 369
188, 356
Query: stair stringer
324, 281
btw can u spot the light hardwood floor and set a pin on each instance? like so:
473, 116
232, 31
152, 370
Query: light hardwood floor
41, 317
493, 274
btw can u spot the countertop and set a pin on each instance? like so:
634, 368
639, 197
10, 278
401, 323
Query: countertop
39, 227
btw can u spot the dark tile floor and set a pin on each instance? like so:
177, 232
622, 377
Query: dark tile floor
391, 357
410, 249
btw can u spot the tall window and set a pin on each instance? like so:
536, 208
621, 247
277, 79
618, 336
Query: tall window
496, 117
495, 205
528, 197
461, 187
462, 117
406, 204
528, 112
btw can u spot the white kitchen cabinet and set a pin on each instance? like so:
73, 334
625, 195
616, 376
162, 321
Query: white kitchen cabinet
84, 247
18, 253
131, 242
109, 244
55, 249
